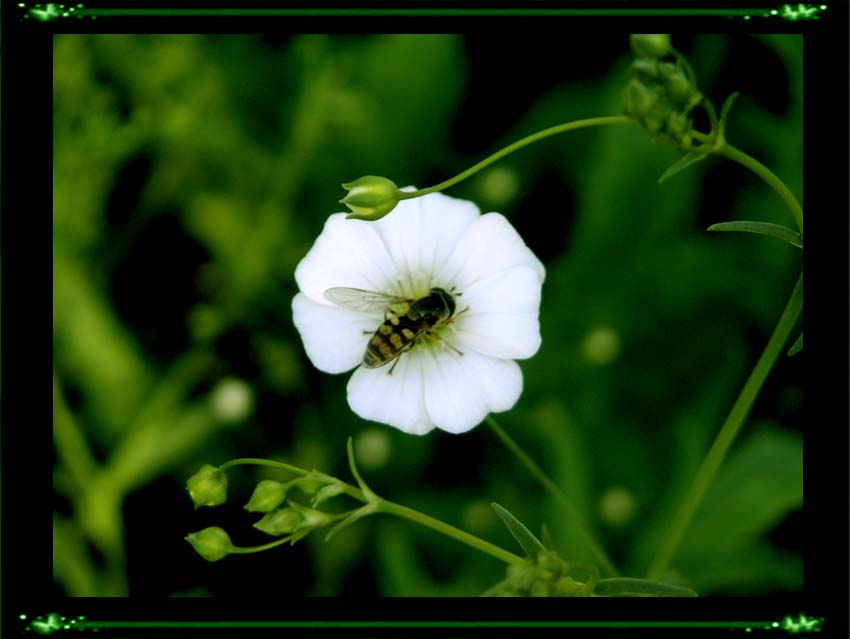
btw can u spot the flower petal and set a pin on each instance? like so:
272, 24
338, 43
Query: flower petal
461, 390
347, 253
502, 316
420, 234
397, 399
489, 245
333, 337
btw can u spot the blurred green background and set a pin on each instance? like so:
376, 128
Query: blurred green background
192, 173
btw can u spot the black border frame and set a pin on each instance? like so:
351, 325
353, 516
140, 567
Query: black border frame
26, 166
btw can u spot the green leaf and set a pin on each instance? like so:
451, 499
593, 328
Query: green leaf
796, 347
629, 587
692, 157
764, 228
756, 489
530, 544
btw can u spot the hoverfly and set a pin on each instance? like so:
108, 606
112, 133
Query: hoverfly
405, 320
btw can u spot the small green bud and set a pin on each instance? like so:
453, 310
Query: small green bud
280, 522
268, 495
653, 123
211, 543
370, 197
650, 45
678, 85
207, 487
638, 99
678, 125
326, 492
646, 68
310, 484
312, 518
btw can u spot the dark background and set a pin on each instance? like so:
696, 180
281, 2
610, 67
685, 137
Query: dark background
192, 173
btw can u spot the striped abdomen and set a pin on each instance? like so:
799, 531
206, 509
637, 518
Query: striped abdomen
392, 338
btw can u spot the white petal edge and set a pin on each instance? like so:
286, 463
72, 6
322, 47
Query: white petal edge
502, 316
334, 338
461, 390
489, 245
397, 399
347, 253
420, 235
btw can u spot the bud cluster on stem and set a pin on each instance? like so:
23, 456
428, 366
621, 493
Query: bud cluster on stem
661, 94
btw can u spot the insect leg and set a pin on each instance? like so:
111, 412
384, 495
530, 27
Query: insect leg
440, 339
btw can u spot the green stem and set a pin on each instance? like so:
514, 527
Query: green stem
553, 489
255, 461
710, 465
247, 550
768, 176
392, 508
70, 442
736, 155
531, 139
388, 507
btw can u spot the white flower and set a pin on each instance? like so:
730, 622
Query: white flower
431, 241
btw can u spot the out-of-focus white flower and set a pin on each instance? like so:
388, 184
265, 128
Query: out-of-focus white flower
432, 241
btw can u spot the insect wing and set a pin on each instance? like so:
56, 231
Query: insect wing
356, 299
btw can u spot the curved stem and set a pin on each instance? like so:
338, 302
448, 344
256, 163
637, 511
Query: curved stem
392, 508
768, 176
736, 155
553, 489
247, 550
531, 139
71, 445
388, 507
256, 461
710, 465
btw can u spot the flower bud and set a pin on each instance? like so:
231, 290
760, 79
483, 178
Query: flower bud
644, 68
370, 197
638, 99
312, 518
326, 492
207, 487
268, 495
650, 45
280, 522
678, 125
211, 543
678, 85
311, 483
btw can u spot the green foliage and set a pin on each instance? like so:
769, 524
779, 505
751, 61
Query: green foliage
763, 228
757, 488
193, 172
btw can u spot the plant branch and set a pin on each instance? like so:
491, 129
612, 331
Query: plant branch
553, 489
731, 427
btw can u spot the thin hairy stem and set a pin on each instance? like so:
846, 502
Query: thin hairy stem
730, 152
516, 146
392, 508
553, 489
721, 147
